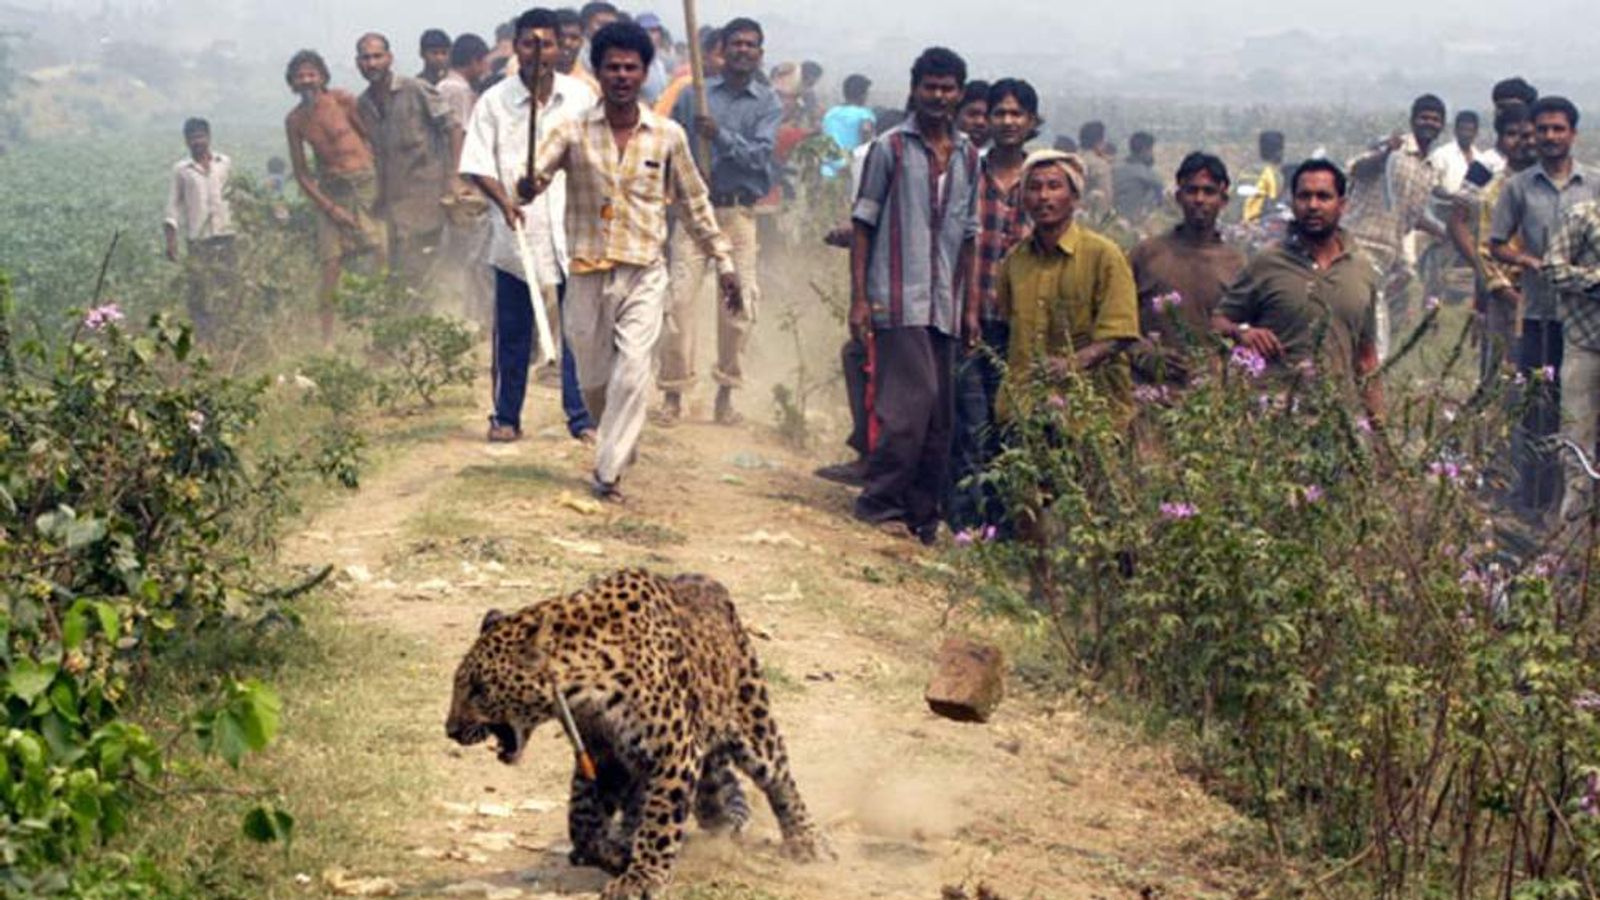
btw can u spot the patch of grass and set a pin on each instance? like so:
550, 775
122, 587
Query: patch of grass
722, 890
638, 533
531, 473
446, 523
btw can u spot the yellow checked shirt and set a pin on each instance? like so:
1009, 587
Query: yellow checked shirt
1062, 298
617, 202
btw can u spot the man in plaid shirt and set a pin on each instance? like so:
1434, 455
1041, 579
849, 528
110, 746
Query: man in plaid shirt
1572, 267
625, 165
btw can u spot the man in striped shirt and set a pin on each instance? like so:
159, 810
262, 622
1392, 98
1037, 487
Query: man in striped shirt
914, 226
625, 165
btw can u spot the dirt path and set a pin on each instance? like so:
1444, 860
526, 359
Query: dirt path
1044, 802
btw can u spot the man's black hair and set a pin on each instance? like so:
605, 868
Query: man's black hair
1513, 112
307, 58
276, 166
1427, 103
194, 125
1341, 183
590, 10
505, 31
1065, 144
1091, 135
621, 36
889, 117
710, 39
1141, 141
742, 24
468, 49
1554, 104
856, 87
1465, 116
566, 15
1514, 88
434, 39
1198, 162
810, 72
536, 19
374, 36
976, 91
939, 61
1270, 145
1018, 90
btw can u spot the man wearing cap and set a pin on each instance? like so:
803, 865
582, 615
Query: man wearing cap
1068, 293
741, 129
435, 56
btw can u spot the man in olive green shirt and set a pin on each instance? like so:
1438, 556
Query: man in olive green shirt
1068, 291
1310, 303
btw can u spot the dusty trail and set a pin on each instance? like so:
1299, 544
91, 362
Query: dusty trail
1044, 802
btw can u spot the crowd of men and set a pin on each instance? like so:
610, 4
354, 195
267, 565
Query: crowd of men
973, 260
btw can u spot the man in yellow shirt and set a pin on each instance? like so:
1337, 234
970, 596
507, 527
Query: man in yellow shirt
1270, 184
1068, 291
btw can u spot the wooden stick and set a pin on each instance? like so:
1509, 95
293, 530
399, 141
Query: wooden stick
525, 186
697, 70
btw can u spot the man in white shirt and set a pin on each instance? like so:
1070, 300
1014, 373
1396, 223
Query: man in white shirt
1451, 159
495, 157
197, 208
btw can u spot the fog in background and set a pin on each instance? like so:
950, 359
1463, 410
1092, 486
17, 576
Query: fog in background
1358, 54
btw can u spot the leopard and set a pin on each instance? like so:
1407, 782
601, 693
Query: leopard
667, 696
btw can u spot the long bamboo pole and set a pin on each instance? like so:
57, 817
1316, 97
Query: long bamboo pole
697, 71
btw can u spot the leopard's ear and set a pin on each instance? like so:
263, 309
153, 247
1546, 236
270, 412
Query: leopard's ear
489, 620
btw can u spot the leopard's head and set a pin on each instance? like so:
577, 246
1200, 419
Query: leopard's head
501, 688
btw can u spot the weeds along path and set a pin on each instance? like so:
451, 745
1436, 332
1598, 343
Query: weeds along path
1044, 802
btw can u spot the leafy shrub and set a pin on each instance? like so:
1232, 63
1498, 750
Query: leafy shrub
418, 355
1328, 611
130, 512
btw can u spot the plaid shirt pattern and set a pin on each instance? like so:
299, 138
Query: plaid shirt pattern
1387, 205
1572, 266
617, 203
1001, 224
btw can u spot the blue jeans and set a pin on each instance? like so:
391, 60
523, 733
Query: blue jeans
512, 348
973, 440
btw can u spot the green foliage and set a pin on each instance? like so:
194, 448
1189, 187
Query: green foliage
1326, 609
130, 511
417, 355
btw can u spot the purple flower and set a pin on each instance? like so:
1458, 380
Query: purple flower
101, 316
1364, 425
1586, 701
989, 533
1248, 361
1057, 401
1445, 470
1175, 512
966, 537
1519, 379
1151, 393
1167, 301
1431, 304
1313, 493
1589, 803
1547, 373
963, 538
1307, 368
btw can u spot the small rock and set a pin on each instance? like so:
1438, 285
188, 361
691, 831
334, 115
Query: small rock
434, 586
582, 505
494, 841
968, 681
481, 889
494, 566
494, 810
1012, 746
358, 574
343, 884
534, 805
458, 809
781, 539
585, 548
792, 595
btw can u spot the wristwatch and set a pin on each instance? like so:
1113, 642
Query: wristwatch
1241, 331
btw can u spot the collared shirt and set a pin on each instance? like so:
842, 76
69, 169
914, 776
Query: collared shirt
1322, 315
1001, 224
1530, 207
1572, 266
496, 147
920, 221
1451, 162
616, 208
1385, 206
1063, 297
747, 131
1137, 189
459, 95
411, 139
1198, 271
197, 205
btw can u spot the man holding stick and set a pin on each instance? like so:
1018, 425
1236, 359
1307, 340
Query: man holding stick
739, 124
625, 165
496, 156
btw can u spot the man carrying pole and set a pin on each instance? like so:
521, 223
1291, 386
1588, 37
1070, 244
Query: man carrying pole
502, 136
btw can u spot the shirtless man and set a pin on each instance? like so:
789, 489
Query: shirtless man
345, 186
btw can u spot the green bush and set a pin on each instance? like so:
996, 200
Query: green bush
1328, 612
130, 512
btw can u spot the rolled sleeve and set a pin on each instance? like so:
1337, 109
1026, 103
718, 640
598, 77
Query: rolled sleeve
875, 184
1118, 316
478, 148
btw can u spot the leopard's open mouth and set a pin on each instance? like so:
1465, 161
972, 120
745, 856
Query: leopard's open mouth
511, 741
